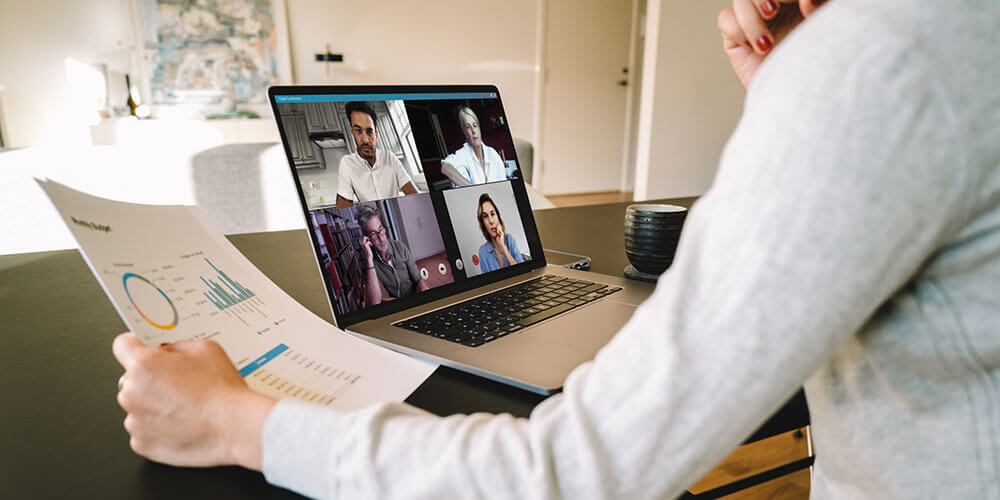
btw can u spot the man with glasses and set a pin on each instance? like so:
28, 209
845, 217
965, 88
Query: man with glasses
389, 265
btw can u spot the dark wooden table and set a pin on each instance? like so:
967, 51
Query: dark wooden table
61, 429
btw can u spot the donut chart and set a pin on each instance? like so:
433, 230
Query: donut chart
141, 279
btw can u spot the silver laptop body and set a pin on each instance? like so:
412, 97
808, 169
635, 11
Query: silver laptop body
321, 130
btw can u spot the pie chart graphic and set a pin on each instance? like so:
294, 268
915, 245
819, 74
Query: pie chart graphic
156, 309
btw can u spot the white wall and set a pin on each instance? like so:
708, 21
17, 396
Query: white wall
691, 100
431, 41
35, 40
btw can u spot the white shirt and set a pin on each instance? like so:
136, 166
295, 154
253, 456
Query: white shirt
851, 241
464, 160
357, 181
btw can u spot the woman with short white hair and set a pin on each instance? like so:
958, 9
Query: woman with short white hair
474, 162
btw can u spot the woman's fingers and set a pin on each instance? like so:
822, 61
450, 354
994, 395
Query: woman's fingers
127, 349
742, 56
732, 35
809, 6
754, 27
751, 29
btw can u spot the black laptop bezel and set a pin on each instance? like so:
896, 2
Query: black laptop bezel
437, 293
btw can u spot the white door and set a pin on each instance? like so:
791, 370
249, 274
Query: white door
583, 118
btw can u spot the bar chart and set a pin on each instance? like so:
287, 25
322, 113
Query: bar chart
223, 291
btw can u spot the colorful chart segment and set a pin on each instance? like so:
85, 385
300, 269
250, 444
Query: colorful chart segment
167, 326
228, 293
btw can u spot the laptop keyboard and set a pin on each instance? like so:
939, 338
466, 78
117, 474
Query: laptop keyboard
483, 319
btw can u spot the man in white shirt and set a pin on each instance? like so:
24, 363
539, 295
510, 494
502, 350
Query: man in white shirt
369, 174
474, 162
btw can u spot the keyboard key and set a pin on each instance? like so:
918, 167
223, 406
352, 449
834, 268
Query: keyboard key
535, 318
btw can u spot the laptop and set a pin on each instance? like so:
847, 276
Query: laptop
422, 230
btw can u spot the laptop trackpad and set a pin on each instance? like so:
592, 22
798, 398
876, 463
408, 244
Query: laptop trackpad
589, 327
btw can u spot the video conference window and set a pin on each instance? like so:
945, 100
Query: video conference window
462, 142
380, 251
352, 152
488, 227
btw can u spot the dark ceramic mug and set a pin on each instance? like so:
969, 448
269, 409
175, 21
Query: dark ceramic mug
651, 235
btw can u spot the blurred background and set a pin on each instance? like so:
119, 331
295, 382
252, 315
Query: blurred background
624, 96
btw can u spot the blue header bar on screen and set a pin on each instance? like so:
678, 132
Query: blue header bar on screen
383, 97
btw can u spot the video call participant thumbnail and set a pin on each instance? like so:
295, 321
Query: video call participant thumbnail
389, 264
474, 162
500, 249
488, 228
462, 142
369, 173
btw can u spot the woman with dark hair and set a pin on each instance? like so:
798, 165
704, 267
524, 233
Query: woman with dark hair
500, 249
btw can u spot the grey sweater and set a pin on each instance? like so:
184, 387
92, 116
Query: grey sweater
850, 242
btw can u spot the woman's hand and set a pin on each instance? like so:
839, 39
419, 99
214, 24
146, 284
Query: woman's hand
498, 240
752, 28
188, 406
500, 248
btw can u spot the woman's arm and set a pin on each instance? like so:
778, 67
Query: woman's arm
515, 251
454, 175
767, 284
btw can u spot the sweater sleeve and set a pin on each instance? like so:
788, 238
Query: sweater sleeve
836, 187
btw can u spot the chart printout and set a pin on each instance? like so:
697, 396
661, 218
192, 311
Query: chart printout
172, 277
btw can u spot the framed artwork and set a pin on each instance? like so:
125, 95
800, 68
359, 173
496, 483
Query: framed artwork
216, 54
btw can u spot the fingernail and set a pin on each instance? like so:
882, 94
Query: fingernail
764, 44
769, 8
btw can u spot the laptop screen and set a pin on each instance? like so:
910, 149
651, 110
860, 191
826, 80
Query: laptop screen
411, 193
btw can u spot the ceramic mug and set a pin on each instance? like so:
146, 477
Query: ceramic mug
651, 235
